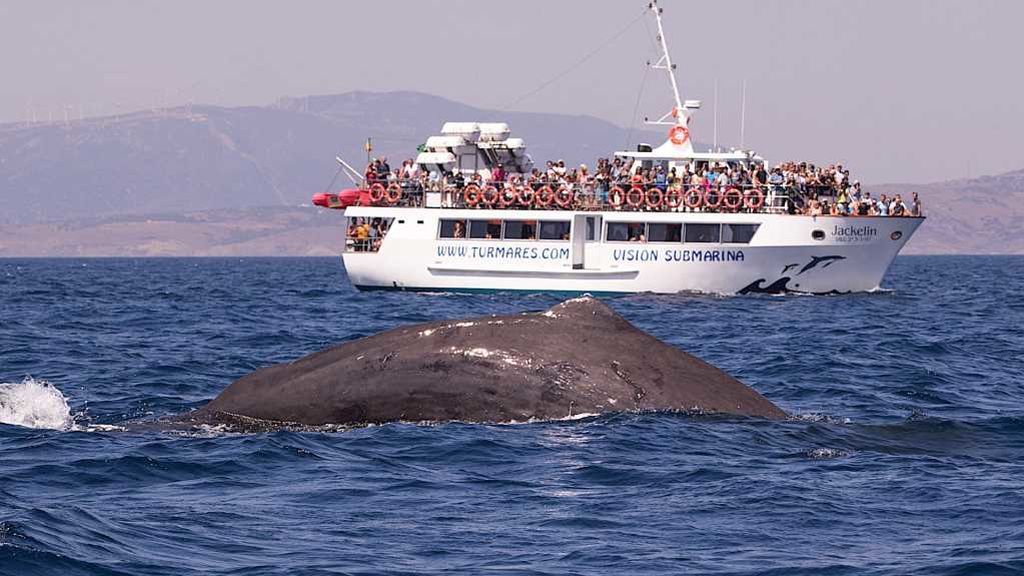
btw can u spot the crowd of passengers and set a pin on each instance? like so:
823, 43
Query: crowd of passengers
800, 187
365, 235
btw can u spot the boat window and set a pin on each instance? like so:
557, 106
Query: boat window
626, 232
664, 232
554, 230
485, 229
520, 230
365, 234
453, 228
738, 233
702, 232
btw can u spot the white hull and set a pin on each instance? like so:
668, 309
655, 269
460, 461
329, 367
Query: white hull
852, 255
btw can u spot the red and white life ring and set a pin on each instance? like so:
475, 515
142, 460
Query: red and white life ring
490, 195
673, 198
377, 192
654, 198
694, 198
712, 193
635, 197
526, 195
753, 199
732, 198
678, 135
472, 195
617, 197
393, 194
564, 197
544, 196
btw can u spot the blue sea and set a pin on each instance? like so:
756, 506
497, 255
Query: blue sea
905, 453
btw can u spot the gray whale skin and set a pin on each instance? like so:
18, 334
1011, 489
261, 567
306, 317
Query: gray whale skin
579, 357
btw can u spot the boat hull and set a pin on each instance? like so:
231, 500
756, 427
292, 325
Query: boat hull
804, 254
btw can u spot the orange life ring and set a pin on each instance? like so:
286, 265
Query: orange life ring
635, 197
673, 198
654, 198
472, 195
490, 195
753, 199
616, 196
564, 197
732, 198
544, 196
693, 199
679, 135
393, 194
376, 192
712, 193
526, 196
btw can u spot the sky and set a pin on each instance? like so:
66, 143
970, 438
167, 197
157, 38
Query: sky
896, 90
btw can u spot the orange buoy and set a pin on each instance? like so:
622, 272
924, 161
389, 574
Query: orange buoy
673, 198
564, 197
635, 197
544, 196
694, 198
393, 194
712, 198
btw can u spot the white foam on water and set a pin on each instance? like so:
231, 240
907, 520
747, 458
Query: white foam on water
34, 404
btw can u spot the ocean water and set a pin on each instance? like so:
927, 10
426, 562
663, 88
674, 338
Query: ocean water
905, 454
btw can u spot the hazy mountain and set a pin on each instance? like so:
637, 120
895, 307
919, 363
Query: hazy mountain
208, 157
209, 180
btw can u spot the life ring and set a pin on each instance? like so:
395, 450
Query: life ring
712, 193
564, 197
732, 198
635, 197
544, 196
526, 196
472, 195
393, 194
616, 196
653, 198
753, 199
679, 135
490, 195
508, 196
377, 192
694, 198
673, 198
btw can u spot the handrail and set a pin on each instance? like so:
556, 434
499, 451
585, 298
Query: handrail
603, 195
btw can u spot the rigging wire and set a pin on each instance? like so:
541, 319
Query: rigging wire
570, 68
636, 108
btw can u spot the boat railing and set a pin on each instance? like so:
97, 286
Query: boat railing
595, 196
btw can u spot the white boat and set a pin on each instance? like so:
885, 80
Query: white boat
511, 234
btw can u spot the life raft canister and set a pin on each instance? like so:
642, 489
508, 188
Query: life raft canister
544, 196
635, 197
376, 192
471, 194
564, 197
732, 198
679, 135
753, 199
694, 198
654, 198
393, 194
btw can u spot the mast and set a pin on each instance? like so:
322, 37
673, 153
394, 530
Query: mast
679, 116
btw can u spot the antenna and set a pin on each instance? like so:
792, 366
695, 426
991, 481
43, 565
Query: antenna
715, 145
743, 113
679, 116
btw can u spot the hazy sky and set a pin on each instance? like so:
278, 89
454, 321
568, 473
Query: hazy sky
899, 90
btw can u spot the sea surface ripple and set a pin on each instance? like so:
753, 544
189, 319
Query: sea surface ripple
905, 456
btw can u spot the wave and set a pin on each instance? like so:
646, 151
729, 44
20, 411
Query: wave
34, 403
